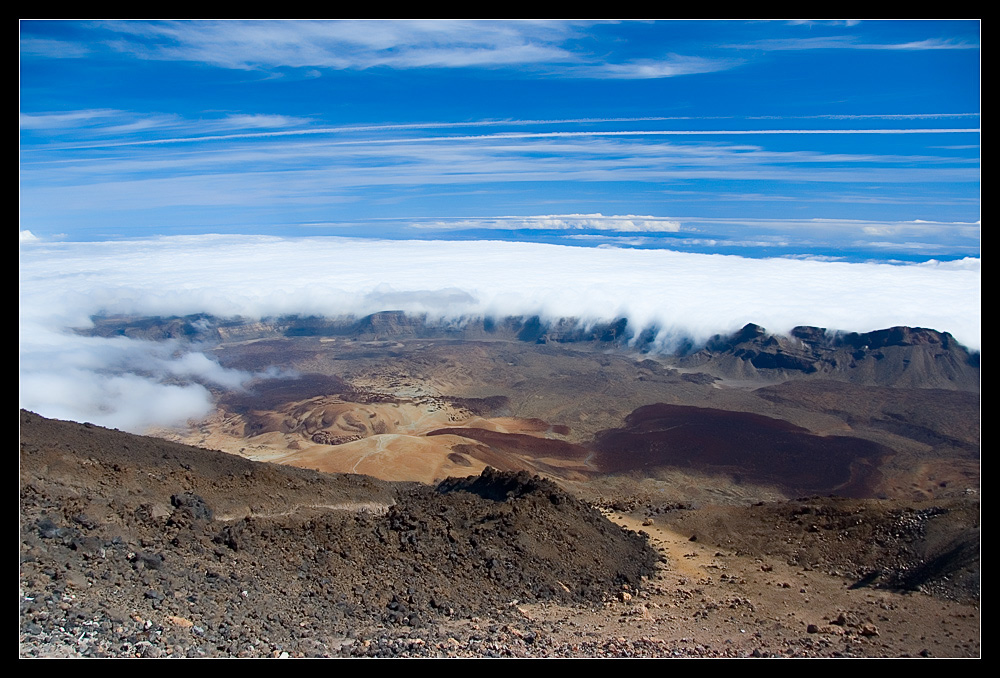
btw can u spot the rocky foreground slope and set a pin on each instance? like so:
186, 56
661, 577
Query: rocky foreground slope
135, 546
138, 547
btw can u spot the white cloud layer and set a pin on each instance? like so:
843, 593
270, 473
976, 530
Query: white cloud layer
134, 384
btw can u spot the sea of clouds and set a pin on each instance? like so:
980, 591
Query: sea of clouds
133, 384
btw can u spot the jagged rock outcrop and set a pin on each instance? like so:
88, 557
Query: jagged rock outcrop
897, 356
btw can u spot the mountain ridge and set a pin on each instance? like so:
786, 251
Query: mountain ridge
910, 357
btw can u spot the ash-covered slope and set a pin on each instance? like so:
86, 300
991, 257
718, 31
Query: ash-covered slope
137, 546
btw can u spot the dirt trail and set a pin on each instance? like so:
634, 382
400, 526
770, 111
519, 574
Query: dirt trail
685, 558
706, 601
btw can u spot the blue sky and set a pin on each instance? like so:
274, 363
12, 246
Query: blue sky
689, 176
852, 141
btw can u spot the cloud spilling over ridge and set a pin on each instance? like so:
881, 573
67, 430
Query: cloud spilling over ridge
119, 381
134, 384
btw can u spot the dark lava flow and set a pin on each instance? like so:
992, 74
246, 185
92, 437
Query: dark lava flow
749, 447
519, 443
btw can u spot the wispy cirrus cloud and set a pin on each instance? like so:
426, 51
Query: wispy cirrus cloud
339, 45
667, 67
54, 49
734, 234
551, 48
259, 120
558, 222
513, 156
854, 42
76, 120
117, 125
121, 127
866, 116
252, 176
205, 137
824, 22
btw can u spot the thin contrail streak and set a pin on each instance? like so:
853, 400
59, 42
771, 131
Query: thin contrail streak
516, 135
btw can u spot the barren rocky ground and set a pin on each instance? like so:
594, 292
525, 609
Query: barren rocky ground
778, 499
123, 554
233, 557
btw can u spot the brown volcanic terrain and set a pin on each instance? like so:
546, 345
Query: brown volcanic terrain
719, 447
426, 408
